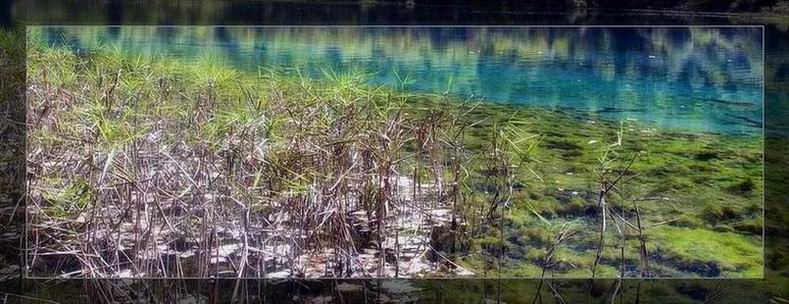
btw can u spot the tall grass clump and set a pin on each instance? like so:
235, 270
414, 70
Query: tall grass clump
152, 166
144, 167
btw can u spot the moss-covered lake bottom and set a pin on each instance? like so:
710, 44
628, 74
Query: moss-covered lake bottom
680, 204
700, 197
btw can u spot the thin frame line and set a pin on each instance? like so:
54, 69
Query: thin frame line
26, 268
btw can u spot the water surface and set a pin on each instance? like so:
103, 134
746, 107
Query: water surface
699, 79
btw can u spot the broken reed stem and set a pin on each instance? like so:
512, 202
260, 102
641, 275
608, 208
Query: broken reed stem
289, 173
643, 253
605, 187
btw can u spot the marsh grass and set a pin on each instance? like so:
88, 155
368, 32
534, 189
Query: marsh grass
136, 162
150, 166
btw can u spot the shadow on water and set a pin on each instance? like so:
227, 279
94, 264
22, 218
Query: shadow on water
248, 12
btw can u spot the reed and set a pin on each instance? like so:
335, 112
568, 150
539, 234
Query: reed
146, 168
151, 166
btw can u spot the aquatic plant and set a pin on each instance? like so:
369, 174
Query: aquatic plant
290, 170
147, 166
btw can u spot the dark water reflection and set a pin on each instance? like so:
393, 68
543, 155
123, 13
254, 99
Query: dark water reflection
699, 78
255, 12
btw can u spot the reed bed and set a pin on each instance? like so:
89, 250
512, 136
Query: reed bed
156, 167
147, 168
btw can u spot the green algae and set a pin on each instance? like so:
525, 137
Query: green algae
732, 254
699, 181
704, 189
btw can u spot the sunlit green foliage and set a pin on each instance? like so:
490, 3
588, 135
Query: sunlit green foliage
704, 189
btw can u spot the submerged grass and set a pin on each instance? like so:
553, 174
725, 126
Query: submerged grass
718, 253
135, 161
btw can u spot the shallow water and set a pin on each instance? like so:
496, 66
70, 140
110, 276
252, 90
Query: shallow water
250, 12
699, 79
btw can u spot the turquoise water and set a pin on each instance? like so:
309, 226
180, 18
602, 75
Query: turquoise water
698, 79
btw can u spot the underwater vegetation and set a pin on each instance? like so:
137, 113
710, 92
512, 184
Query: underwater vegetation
144, 166
698, 79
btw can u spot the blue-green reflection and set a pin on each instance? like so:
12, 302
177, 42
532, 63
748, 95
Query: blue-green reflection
698, 79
